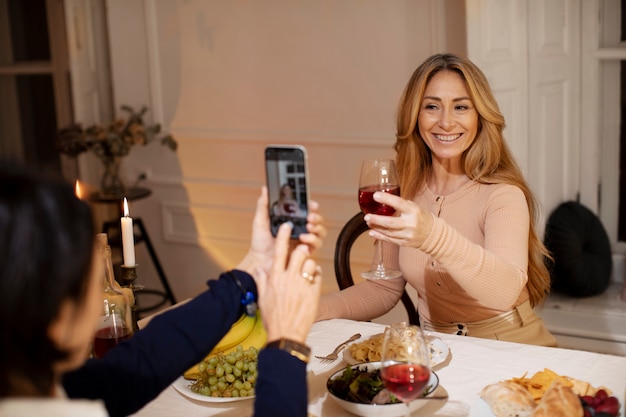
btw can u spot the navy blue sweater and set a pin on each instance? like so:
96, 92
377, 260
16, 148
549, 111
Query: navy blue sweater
137, 370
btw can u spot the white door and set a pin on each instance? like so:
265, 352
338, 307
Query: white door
530, 52
89, 67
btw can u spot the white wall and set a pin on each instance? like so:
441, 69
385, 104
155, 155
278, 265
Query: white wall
229, 77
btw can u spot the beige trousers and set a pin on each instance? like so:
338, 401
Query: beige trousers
520, 325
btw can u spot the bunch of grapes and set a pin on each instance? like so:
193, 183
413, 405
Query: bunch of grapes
600, 405
228, 375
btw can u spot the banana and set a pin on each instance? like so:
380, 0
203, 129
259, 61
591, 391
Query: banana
237, 333
256, 337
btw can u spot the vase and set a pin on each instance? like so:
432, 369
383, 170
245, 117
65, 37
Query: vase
111, 183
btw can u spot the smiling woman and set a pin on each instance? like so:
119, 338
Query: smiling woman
464, 231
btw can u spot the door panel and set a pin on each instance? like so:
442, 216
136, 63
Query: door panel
530, 52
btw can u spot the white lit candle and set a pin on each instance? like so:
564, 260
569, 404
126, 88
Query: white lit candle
78, 190
128, 242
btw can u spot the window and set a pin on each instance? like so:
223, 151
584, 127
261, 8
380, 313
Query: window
34, 89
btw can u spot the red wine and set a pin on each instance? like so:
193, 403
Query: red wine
405, 381
367, 203
108, 337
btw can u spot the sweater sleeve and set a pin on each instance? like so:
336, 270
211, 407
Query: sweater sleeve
364, 301
281, 390
496, 272
137, 370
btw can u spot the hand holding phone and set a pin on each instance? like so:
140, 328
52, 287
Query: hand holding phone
287, 185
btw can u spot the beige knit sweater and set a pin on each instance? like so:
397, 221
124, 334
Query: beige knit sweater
472, 266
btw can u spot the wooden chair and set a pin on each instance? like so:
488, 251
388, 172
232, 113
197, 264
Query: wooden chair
348, 235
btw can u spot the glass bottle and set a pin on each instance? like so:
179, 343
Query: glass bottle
116, 322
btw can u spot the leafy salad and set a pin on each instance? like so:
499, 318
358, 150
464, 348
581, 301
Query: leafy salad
359, 385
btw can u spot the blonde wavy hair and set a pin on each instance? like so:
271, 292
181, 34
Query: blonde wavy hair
488, 160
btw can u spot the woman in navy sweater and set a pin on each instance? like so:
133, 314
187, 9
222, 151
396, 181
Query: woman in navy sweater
48, 280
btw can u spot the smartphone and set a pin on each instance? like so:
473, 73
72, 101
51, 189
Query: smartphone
288, 187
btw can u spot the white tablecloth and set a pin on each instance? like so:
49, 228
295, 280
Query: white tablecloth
472, 364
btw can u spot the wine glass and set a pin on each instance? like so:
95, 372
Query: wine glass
405, 362
114, 325
378, 175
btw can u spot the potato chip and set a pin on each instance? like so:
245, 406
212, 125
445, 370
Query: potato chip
539, 383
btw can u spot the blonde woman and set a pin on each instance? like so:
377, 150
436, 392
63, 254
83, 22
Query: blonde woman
464, 231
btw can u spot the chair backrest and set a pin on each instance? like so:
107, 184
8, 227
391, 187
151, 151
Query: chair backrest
354, 228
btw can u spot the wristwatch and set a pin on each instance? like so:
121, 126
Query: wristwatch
292, 347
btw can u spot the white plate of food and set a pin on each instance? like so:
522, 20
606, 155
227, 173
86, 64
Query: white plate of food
368, 350
397, 409
182, 385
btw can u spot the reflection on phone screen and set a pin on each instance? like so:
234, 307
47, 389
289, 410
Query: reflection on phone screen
286, 182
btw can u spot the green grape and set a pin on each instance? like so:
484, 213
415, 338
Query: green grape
230, 375
202, 366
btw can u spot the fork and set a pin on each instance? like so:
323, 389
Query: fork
331, 357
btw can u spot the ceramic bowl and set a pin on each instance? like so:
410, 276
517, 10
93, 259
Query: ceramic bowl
376, 410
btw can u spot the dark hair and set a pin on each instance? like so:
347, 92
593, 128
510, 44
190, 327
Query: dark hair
46, 241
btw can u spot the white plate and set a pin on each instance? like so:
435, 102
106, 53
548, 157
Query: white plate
182, 385
484, 409
439, 352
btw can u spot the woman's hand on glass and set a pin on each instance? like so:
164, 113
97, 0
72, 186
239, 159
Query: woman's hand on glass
408, 227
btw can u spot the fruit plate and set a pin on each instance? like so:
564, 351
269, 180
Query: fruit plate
439, 352
182, 385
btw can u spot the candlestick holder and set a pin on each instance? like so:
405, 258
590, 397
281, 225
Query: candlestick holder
129, 275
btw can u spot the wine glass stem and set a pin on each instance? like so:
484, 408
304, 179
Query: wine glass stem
408, 410
380, 268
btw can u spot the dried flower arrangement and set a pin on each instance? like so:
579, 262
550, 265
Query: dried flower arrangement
110, 143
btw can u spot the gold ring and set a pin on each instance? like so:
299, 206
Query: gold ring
308, 277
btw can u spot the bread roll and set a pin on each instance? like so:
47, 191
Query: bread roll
559, 401
508, 399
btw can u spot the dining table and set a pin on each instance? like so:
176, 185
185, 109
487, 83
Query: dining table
469, 365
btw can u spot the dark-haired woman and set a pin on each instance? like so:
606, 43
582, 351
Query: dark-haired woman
50, 298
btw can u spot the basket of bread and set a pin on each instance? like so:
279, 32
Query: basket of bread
548, 394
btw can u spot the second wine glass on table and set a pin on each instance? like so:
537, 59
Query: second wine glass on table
405, 362
378, 175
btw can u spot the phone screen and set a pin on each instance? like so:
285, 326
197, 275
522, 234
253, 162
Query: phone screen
287, 185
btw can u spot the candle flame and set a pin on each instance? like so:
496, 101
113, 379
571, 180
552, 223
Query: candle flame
126, 214
78, 190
